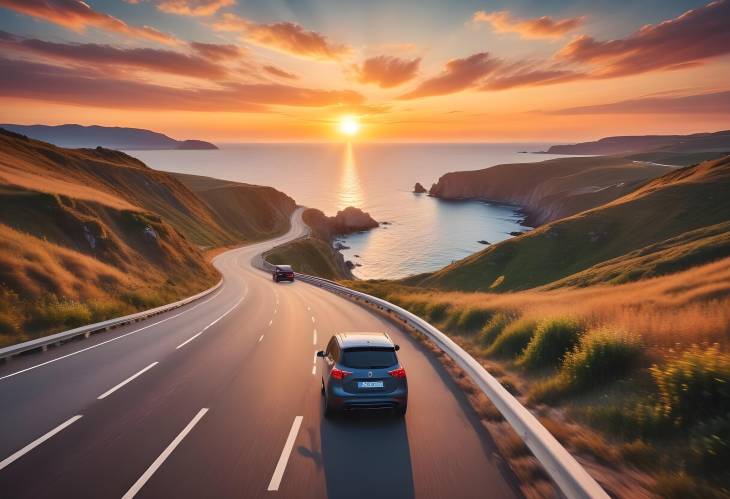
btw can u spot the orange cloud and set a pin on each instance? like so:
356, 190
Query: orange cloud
458, 75
163, 61
279, 72
289, 38
684, 41
541, 27
193, 7
90, 87
217, 52
387, 71
503, 80
78, 15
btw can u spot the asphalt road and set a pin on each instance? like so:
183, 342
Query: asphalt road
221, 398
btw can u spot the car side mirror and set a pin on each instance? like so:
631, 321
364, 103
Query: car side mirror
397, 347
320, 353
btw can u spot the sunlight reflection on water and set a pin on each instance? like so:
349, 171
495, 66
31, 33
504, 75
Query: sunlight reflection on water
350, 191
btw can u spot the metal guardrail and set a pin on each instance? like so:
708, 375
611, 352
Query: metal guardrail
58, 338
569, 476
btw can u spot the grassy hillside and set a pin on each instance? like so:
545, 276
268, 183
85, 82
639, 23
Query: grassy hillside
86, 235
668, 224
638, 372
550, 189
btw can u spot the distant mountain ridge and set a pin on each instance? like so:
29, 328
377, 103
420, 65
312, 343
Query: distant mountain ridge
78, 136
713, 141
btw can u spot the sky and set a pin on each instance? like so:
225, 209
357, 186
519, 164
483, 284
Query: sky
290, 71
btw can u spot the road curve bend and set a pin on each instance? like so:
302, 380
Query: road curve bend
221, 398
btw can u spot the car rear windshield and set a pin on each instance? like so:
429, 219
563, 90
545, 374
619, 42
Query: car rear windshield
284, 268
369, 358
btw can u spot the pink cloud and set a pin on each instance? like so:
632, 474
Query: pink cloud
685, 41
78, 15
387, 71
157, 60
458, 75
287, 37
89, 87
708, 103
541, 27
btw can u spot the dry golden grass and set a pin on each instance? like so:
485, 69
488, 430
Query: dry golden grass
669, 311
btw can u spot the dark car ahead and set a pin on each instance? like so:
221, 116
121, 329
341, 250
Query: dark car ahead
282, 273
362, 371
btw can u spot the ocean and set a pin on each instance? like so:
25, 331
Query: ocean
423, 234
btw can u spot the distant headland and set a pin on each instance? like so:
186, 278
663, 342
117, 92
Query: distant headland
79, 136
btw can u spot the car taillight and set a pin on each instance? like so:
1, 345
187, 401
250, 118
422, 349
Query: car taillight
339, 373
398, 373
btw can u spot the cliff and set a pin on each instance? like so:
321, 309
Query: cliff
552, 189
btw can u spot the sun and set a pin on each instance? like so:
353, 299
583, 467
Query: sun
349, 125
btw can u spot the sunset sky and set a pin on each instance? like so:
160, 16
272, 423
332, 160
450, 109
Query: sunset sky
235, 70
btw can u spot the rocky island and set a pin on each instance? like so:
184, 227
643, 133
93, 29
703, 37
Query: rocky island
419, 189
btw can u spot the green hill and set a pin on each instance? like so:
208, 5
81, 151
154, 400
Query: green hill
670, 223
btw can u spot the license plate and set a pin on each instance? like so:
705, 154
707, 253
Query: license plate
370, 384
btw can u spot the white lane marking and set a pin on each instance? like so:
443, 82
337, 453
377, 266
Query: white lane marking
117, 387
35, 443
314, 337
165, 454
275, 310
312, 319
261, 338
284, 459
314, 369
309, 308
209, 325
314, 361
108, 341
271, 322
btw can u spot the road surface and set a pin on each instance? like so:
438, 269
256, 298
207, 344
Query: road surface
221, 398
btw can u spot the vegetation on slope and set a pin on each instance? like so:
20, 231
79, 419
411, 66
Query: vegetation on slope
86, 235
638, 372
671, 223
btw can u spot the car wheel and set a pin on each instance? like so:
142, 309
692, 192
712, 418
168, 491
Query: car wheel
329, 411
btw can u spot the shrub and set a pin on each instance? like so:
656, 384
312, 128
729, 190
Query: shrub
552, 340
640, 454
494, 327
696, 385
639, 420
108, 309
710, 446
513, 339
436, 312
58, 313
473, 319
602, 355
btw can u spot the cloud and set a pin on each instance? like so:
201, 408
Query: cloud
163, 61
217, 52
78, 15
193, 7
289, 38
279, 72
685, 41
708, 103
503, 80
387, 71
541, 27
458, 75
89, 87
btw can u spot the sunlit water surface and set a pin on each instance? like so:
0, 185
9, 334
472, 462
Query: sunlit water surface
424, 233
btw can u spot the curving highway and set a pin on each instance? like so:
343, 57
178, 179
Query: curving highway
221, 398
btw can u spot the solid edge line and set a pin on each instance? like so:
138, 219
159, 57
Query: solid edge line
35, 443
165, 454
109, 340
285, 453
132, 377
